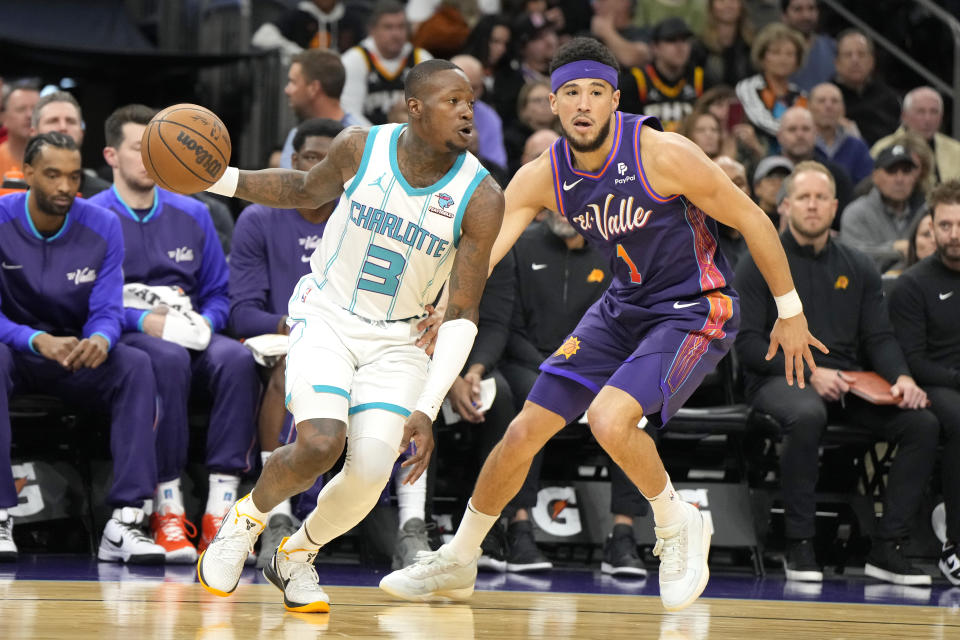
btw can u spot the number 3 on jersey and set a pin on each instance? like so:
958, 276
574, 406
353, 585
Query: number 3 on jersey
634, 274
381, 271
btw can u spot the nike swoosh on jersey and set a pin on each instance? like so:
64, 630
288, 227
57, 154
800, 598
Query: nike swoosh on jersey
537, 267
11, 266
567, 187
677, 305
943, 296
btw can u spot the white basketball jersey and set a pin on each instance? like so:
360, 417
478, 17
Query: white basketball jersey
389, 247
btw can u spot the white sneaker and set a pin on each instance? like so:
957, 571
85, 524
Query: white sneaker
124, 539
8, 548
298, 581
436, 575
221, 563
683, 549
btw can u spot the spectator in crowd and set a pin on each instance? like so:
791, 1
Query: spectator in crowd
17, 112
767, 184
847, 310
537, 142
923, 114
821, 49
4, 90
376, 67
535, 44
764, 12
176, 304
489, 126
924, 310
798, 139
313, 24
649, 12
739, 139
705, 131
838, 139
669, 86
777, 52
612, 24
314, 83
869, 102
273, 157
488, 42
878, 224
533, 111
724, 43
922, 242
60, 111
445, 31
731, 241
60, 313
272, 250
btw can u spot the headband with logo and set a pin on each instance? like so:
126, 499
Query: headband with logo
583, 69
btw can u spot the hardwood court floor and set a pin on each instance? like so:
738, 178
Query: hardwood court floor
42, 609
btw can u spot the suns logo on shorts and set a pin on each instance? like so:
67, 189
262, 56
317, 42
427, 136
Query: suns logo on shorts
569, 348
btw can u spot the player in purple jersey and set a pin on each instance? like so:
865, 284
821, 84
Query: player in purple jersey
639, 195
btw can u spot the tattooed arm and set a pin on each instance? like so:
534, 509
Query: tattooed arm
481, 223
288, 188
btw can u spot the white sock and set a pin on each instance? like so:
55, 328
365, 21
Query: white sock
3, 515
411, 498
667, 506
471, 532
222, 493
246, 506
169, 498
264, 456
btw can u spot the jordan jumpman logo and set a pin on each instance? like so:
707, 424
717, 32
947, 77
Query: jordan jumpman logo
376, 183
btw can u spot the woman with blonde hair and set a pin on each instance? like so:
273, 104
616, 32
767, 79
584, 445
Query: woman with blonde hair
724, 44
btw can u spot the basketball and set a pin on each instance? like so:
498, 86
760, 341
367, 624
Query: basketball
185, 148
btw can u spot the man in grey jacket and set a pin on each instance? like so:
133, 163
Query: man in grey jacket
879, 222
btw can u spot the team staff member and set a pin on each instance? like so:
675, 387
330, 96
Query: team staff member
850, 317
170, 240
60, 310
924, 307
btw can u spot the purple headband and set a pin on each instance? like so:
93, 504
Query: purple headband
582, 69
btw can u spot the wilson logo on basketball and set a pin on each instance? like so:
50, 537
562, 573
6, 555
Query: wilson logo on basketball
202, 157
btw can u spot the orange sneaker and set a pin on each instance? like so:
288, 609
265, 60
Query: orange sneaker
170, 532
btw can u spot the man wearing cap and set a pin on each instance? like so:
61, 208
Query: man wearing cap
669, 85
878, 223
767, 182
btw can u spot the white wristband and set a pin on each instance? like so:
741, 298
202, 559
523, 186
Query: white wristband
454, 342
227, 184
788, 305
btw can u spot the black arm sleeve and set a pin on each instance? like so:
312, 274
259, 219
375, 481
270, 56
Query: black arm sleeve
758, 313
496, 308
877, 341
908, 312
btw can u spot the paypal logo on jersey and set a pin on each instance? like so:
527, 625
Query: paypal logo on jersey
610, 224
622, 168
81, 276
387, 224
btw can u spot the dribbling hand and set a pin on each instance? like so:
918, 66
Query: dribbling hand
792, 335
419, 430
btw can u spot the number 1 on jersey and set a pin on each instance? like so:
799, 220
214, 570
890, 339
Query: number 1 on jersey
634, 274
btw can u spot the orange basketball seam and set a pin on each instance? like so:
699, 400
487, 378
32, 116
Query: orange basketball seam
199, 133
177, 158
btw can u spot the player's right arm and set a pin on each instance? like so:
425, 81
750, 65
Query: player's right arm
530, 191
292, 189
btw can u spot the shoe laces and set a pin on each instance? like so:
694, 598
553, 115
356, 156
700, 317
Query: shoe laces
304, 576
6, 530
176, 527
135, 532
672, 553
232, 543
427, 563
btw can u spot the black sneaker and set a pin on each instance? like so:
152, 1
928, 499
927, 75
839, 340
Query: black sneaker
523, 554
493, 549
887, 562
800, 561
950, 563
620, 556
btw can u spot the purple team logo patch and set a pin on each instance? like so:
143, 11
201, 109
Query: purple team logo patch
444, 200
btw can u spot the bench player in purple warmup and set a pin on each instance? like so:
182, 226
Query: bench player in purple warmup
641, 196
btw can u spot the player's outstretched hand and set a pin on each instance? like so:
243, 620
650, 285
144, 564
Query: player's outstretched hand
419, 430
430, 327
792, 335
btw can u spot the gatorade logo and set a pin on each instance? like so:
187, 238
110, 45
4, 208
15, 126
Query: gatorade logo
202, 158
557, 512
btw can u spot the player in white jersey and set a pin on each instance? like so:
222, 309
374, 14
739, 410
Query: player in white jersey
415, 208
